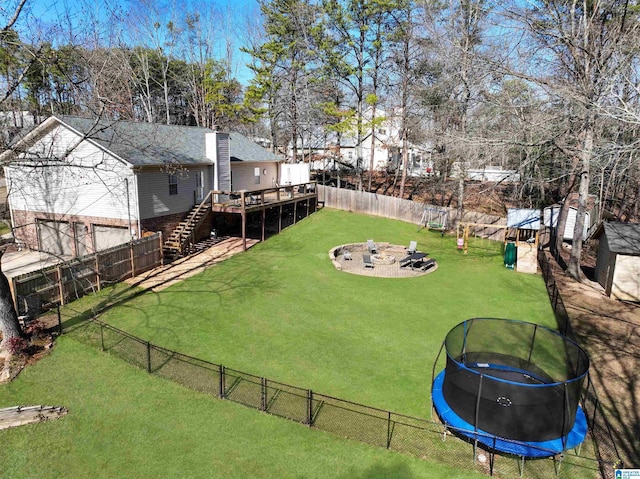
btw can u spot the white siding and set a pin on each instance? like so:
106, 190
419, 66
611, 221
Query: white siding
244, 175
294, 174
155, 199
626, 279
84, 181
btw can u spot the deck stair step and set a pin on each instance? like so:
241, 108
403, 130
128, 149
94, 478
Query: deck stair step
181, 238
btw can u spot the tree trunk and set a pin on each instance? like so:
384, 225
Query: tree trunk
9, 324
573, 268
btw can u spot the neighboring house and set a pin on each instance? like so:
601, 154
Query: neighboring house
618, 261
77, 185
387, 148
494, 174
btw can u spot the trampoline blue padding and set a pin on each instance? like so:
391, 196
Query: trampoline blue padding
527, 449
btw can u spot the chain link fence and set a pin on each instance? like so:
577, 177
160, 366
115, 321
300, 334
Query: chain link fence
426, 439
605, 447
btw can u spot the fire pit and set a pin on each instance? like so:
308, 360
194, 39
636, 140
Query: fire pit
383, 259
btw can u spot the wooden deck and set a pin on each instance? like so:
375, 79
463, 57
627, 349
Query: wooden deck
286, 203
256, 200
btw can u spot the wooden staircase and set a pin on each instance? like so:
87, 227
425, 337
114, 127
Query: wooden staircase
183, 237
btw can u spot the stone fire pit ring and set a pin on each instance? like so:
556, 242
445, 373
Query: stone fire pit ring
349, 258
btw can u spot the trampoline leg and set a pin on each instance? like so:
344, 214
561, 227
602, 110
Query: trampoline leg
521, 464
558, 463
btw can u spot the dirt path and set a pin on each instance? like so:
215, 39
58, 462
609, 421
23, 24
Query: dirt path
609, 330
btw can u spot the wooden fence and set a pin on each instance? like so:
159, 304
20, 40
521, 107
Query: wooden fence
404, 210
59, 284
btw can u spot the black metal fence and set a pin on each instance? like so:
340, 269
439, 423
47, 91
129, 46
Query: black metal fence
606, 451
423, 438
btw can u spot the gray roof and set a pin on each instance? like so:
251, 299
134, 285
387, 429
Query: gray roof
243, 149
623, 238
145, 144
142, 143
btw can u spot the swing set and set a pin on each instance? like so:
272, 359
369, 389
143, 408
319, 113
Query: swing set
434, 219
463, 233
520, 244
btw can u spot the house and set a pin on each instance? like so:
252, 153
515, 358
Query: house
77, 185
618, 261
384, 141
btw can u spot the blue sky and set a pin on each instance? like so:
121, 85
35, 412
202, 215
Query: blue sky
40, 16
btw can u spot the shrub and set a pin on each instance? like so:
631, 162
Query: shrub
17, 345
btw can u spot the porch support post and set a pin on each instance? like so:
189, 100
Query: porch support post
244, 221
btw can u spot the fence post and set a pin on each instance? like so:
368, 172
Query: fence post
221, 385
133, 261
60, 285
388, 429
14, 296
59, 319
97, 272
309, 407
263, 393
148, 357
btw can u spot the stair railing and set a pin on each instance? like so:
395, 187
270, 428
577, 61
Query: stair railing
192, 225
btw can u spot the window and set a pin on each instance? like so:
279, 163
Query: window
256, 176
173, 184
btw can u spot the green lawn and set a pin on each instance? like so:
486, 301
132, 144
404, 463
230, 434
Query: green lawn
123, 422
281, 310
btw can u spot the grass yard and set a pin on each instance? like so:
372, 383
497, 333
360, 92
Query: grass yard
282, 311
123, 422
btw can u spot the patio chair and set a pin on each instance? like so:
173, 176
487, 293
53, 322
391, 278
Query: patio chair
346, 255
413, 246
366, 259
373, 248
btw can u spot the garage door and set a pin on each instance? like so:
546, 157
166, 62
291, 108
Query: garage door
55, 237
108, 236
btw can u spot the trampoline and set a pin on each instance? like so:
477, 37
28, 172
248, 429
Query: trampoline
513, 386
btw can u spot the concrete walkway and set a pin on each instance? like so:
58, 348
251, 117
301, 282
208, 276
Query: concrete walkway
164, 276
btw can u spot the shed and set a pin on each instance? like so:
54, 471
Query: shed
618, 261
552, 215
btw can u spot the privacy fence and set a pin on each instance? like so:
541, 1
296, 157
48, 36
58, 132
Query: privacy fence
37, 291
400, 209
427, 439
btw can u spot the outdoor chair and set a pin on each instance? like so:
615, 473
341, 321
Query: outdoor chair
413, 246
373, 248
366, 259
346, 255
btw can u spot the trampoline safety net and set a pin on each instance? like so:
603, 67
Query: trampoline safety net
514, 379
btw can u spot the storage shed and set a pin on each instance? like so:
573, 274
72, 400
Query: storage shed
618, 261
